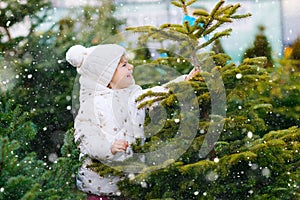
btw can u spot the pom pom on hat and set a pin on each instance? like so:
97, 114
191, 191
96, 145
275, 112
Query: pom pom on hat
76, 55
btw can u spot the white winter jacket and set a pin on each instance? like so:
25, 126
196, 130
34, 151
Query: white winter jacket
105, 115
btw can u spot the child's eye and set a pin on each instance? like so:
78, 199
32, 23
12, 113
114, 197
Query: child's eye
124, 65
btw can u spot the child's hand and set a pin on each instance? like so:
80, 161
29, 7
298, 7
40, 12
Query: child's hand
118, 146
192, 74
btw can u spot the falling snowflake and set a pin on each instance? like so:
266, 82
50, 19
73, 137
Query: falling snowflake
238, 76
250, 134
143, 184
266, 172
131, 176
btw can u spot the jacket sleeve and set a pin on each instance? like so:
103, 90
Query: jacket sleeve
176, 80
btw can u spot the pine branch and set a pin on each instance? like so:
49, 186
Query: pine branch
166, 60
223, 19
210, 29
216, 8
234, 9
168, 25
224, 9
261, 61
150, 94
149, 103
216, 36
189, 29
177, 4
174, 34
191, 2
141, 28
200, 12
241, 16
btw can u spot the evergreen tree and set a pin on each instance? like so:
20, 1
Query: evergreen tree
14, 12
22, 174
44, 81
294, 59
296, 50
42, 84
261, 47
283, 93
96, 25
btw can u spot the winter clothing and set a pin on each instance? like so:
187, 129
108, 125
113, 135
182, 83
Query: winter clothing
113, 119
104, 114
97, 63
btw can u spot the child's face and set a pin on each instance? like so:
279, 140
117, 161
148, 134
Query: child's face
122, 77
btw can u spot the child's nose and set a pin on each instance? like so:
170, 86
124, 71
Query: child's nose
130, 66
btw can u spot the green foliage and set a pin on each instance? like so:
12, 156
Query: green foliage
283, 93
253, 158
250, 159
188, 33
19, 168
261, 47
22, 174
39, 81
93, 25
42, 81
13, 12
59, 179
263, 168
296, 50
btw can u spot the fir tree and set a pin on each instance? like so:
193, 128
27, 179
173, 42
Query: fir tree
295, 55
14, 12
22, 174
94, 25
43, 81
193, 28
261, 47
296, 50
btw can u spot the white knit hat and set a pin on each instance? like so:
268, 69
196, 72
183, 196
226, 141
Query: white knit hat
97, 63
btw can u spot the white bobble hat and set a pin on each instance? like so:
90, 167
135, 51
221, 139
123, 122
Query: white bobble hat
97, 63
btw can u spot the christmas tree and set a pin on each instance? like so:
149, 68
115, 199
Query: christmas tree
39, 159
22, 174
294, 57
261, 47
40, 78
296, 50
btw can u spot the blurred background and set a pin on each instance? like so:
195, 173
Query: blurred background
279, 17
